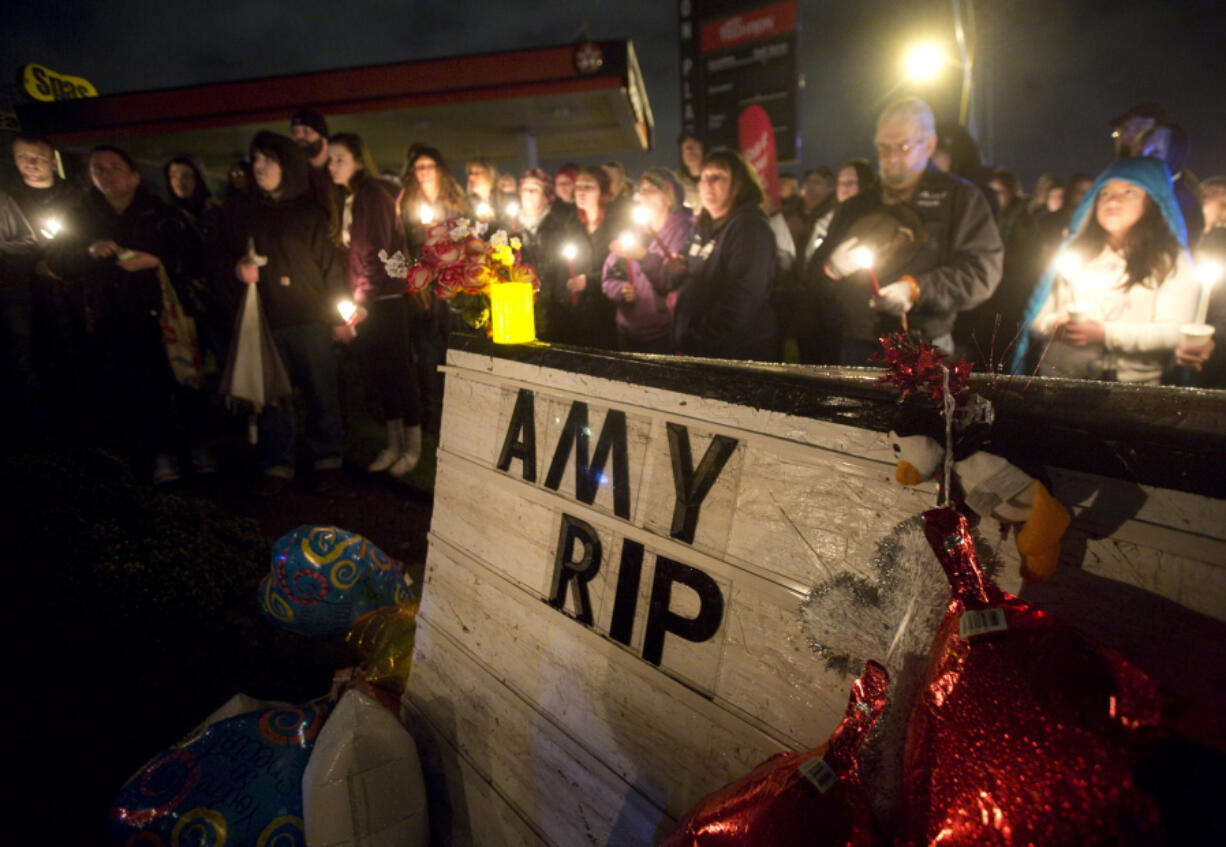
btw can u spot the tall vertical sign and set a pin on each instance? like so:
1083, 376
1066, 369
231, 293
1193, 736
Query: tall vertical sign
736, 54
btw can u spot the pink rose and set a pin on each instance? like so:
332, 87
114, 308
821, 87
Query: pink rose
474, 278
436, 231
440, 251
474, 249
419, 278
450, 281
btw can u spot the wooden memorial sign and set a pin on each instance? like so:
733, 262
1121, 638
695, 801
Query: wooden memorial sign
609, 625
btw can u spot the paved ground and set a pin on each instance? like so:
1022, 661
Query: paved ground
98, 686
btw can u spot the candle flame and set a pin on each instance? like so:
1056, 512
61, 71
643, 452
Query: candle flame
863, 257
484, 210
347, 310
640, 215
626, 239
512, 208
427, 216
51, 228
569, 251
1069, 263
1210, 272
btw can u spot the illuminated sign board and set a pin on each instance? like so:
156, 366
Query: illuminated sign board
48, 86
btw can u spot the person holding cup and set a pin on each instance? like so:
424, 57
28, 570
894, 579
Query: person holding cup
1113, 303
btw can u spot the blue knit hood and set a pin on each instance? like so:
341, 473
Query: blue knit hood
1152, 177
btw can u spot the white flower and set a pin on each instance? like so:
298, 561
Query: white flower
461, 230
499, 239
482, 228
397, 265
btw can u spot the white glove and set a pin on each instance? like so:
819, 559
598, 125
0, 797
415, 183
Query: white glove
895, 299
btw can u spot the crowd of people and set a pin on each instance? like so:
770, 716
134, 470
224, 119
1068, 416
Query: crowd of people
120, 306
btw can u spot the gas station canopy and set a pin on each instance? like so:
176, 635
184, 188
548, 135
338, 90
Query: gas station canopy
568, 101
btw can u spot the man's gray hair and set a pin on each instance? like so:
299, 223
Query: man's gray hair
914, 109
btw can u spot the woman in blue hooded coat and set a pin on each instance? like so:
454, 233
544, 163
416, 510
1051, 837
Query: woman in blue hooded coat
1111, 304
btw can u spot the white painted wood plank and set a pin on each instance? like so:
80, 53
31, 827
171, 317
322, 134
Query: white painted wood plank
672, 743
832, 436
539, 772
787, 689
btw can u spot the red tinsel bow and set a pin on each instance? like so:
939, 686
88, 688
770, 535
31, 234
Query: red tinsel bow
914, 366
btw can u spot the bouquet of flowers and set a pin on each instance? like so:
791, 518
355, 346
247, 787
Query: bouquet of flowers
461, 267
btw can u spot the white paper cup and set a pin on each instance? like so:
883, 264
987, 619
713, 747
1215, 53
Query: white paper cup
1196, 336
1079, 312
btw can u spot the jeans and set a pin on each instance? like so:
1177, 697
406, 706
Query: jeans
306, 350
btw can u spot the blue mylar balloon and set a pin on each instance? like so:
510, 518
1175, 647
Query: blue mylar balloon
324, 578
237, 782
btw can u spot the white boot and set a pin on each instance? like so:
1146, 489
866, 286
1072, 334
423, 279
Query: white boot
412, 452
390, 454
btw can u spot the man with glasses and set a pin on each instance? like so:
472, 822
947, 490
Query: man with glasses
955, 267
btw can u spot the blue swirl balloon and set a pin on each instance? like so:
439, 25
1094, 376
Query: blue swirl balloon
322, 579
238, 782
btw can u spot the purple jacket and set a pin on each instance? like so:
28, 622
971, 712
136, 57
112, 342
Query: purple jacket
650, 316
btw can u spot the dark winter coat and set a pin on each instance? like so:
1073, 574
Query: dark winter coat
584, 319
304, 279
147, 224
723, 307
958, 267
542, 249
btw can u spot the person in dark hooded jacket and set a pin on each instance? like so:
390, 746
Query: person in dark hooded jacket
114, 244
300, 287
723, 307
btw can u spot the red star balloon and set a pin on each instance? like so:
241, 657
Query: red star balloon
812, 798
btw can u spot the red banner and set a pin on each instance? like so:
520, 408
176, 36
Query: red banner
757, 138
768, 21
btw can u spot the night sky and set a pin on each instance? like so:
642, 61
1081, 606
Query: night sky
1051, 72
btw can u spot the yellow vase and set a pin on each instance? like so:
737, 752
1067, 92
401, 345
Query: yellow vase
511, 312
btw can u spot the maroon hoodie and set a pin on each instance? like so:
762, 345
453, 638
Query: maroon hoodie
375, 227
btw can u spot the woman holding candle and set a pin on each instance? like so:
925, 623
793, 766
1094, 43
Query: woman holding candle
635, 274
1113, 302
429, 195
723, 307
579, 313
1208, 361
541, 232
369, 225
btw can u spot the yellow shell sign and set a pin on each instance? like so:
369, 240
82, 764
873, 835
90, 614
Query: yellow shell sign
46, 85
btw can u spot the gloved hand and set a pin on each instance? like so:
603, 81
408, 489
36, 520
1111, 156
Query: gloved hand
895, 298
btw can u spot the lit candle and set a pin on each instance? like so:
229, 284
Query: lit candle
513, 210
427, 216
484, 210
347, 310
1069, 263
641, 217
569, 251
864, 258
1210, 273
626, 240
51, 228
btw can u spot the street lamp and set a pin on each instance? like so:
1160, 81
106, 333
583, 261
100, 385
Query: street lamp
923, 62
